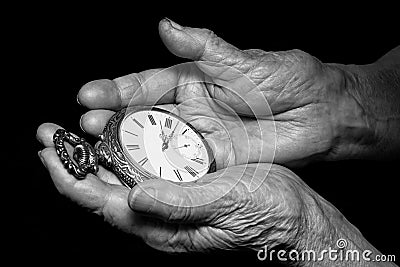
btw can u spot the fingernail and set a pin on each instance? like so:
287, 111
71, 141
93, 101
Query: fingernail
143, 200
174, 24
77, 100
80, 124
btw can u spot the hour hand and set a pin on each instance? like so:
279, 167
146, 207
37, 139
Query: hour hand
164, 139
162, 134
164, 146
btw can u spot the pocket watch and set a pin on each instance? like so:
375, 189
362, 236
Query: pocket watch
140, 143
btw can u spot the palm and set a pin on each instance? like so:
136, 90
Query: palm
212, 102
253, 106
301, 92
210, 214
234, 139
217, 220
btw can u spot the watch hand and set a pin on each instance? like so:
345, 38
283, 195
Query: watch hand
162, 131
164, 139
173, 131
185, 145
164, 146
162, 135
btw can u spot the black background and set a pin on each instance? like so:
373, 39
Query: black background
60, 48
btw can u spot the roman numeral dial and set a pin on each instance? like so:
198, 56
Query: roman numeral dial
132, 147
138, 123
168, 123
161, 144
151, 119
192, 171
143, 161
198, 160
178, 175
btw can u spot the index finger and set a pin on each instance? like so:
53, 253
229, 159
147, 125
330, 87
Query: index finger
150, 87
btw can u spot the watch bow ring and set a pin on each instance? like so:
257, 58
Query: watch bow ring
138, 144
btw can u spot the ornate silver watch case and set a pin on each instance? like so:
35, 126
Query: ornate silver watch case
109, 152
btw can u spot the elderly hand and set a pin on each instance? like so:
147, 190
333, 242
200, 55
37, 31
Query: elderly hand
241, 206
310, 113
300, 103
250, 207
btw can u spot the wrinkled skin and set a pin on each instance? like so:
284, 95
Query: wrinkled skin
271, 215
283, 210
302, 93
295, 97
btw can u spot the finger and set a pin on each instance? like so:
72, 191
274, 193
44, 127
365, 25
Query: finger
94, 121
173, 203
107, 200
107, 176
89, 192
171, 237
149, 87
45, 132
198, 44
110, 201
92, 193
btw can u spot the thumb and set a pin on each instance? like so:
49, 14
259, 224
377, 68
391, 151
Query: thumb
174, 202
197, 44
215, 57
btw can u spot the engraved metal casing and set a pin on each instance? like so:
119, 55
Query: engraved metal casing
110, 153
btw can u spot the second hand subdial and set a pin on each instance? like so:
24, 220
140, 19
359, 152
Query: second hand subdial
185, 145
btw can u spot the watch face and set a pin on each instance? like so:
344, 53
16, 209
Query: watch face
162, 144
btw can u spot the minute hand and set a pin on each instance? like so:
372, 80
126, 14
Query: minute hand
172, 133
